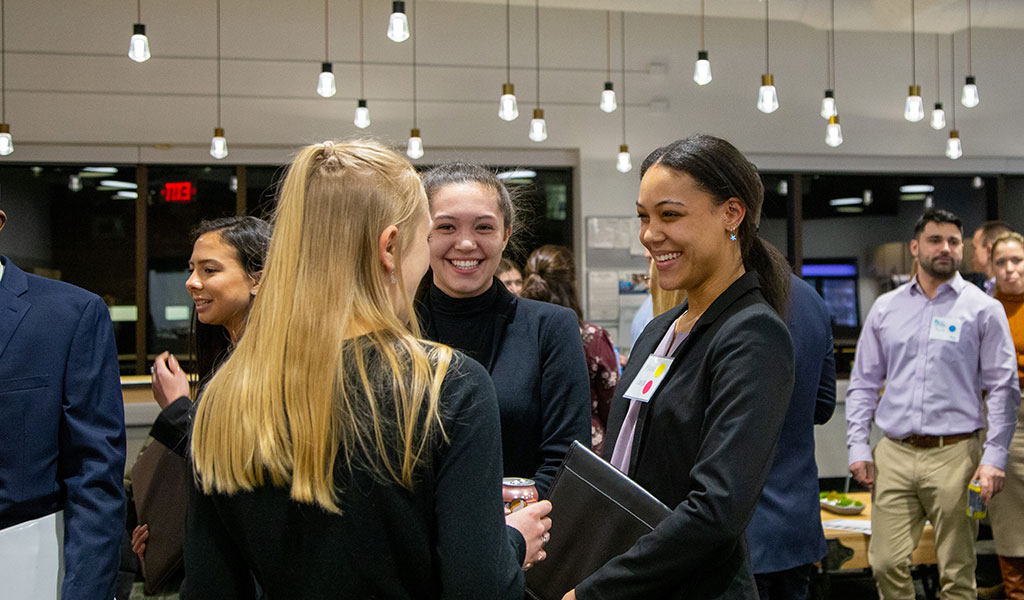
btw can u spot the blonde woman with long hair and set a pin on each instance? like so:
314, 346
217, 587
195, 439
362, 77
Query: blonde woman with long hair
337, 454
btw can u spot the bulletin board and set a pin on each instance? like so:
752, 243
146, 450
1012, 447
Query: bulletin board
616, 278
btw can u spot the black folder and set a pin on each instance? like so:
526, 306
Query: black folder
596, 514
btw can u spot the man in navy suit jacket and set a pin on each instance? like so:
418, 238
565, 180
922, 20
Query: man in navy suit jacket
785, 535
62, 439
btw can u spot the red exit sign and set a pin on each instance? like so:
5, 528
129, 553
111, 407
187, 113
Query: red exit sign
178, 191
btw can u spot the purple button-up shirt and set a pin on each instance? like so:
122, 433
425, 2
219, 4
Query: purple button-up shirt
932, 386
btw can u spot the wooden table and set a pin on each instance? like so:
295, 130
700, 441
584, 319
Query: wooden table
924, 554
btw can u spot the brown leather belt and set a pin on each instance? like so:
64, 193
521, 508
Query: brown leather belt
933, 441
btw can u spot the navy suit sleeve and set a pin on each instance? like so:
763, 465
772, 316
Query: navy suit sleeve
565, 395
825, 404
92, 456
743, 419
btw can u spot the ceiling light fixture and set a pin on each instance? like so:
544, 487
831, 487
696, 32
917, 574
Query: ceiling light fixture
828, 103
623, 163
6, 141
219, 144
702, 68
608, 103
138, 46
938, 114
325, 85
833, 131
954, 148
398, 24
913, 108
508, 109
415, 147
767, 96
538, 126
969, 97
852, 201
362, 119
917, 188
74, 183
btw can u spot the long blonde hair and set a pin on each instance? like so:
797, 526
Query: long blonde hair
298, 391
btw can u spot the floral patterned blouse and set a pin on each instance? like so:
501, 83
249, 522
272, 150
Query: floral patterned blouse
604, 374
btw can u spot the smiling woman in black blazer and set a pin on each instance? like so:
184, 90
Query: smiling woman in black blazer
702, 441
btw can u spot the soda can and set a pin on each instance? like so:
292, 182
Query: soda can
976, 508
517, 492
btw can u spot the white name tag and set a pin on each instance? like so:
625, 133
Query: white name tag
648, 378
947, 330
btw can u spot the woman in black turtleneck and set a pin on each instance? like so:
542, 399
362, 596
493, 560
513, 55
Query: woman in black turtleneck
531, 349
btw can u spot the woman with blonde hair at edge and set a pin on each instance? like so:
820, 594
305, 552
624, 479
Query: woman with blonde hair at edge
336, 453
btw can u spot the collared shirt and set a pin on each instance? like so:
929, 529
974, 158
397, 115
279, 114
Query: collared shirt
932, 381
1, 270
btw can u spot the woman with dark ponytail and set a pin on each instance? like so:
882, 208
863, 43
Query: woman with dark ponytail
551, 277
703, 398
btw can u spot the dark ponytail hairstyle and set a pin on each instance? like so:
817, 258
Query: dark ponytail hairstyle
723, 172
550, 276
250, 237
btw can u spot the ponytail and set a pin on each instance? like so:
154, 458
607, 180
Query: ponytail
772, 270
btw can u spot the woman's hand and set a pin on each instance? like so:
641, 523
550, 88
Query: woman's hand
534, 524
169, 380
139, 538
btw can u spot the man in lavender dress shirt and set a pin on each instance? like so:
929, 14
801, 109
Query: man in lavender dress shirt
932, 345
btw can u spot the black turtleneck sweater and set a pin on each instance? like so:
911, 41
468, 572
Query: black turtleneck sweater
534, 355
466, 323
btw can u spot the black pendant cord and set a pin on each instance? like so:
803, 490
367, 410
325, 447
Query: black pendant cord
623, 36
608, 42
218, 64
414, 120
3, 61
938, 75
913, 42
138, 6
702, 46
536, 10
832, 50
970, 70
327, 38
508, 41
767, 37
952, 77
362, 93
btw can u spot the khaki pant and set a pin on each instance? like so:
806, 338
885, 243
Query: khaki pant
914, 484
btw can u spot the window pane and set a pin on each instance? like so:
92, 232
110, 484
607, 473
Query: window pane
179, 198
77, 224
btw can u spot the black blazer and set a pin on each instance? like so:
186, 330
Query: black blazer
703, 444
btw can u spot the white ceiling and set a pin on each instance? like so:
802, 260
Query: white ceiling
72, 92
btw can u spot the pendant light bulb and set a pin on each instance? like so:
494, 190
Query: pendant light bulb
508, 109
913, 110
608, 103
415, 148
954, 149
398, 24
969, 97
624, 164
362, 119
702, 68
538, 127
833, 132
138, 47
938, 117
219, 144
6, 141
325, 85
828, 105
767, 96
